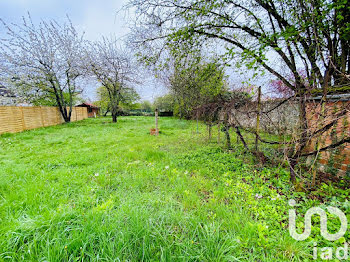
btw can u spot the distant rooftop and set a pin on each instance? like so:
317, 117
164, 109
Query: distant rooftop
5, 92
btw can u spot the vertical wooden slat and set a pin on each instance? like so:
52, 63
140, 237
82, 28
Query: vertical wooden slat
41, 116
23, 124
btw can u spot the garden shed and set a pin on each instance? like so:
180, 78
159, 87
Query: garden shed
93, 110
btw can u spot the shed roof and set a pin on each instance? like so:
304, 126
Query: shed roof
88, 105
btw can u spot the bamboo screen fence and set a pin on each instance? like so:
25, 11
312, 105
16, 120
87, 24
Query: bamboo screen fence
16, 118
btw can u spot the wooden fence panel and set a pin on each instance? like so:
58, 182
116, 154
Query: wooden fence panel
11, 119
85, 113
74, 114
16, 119
4, 128
32, 117
59, 117
80, 113
50, 116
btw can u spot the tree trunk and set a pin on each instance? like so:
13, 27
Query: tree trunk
64, 113
60, 98
258, 120
303, 124
303, 135
114, 111
238, 132
67, 119
228, 137
114, 117
292, 163
209, 132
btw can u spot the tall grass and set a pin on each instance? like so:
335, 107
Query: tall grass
98, 191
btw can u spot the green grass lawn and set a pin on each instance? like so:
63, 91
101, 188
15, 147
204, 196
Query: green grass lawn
98, 191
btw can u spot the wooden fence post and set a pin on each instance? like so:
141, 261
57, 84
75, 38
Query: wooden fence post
219, 132
258, 120
209, 132
156, 119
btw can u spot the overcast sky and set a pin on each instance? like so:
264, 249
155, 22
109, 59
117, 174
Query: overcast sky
95, 18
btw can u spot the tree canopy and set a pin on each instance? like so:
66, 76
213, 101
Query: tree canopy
43, 61
165, 103
195, 83
303, 44
128, 99
112, 67
308, 35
